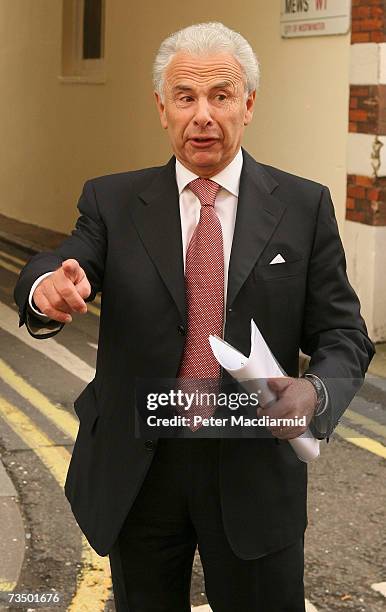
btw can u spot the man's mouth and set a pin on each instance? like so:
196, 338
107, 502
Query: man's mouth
202, 141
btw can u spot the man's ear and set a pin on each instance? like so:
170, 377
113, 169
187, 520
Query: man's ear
161, 110
249, 107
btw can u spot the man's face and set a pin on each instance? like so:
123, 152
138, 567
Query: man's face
205, 110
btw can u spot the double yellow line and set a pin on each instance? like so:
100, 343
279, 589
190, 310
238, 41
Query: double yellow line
15, 264
349, 434
94, 580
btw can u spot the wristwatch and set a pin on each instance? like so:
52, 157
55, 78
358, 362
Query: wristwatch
321, 393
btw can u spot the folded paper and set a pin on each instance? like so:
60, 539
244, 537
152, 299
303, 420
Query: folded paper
251, 372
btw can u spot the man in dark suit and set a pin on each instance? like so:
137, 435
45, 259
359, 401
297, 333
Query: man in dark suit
274, 239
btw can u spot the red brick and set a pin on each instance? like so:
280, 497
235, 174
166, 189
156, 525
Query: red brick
377, 11
358, 115
364, 127
381, 214
377, 37
360, 37
353, 102
356, 192
359, 90
350, 203
370, 25
364, 181
352, 127
354, 215
361, 11
373, 195
356, 25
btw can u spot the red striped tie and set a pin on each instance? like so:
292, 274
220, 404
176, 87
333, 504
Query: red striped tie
204, 286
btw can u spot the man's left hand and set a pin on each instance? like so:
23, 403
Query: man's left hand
296, 397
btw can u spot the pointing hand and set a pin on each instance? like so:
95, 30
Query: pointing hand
63, 292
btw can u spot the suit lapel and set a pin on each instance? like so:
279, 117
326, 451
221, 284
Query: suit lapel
258, 214
158, 223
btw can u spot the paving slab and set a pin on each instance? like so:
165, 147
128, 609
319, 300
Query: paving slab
12, 540
7, 488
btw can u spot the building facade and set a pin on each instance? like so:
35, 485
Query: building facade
77, 102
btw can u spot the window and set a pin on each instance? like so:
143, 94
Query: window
83, 41
92, 29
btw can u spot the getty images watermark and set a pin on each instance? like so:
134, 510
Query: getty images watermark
170, 408
198, 399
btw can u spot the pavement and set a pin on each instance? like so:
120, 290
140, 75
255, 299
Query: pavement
13, 539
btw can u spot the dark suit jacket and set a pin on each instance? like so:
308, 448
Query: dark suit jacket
128, 240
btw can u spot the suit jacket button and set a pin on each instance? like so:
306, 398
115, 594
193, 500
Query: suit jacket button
181, 330
149, 445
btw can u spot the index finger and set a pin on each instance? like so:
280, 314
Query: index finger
69, 294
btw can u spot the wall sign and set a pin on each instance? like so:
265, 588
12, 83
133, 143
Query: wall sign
314, 17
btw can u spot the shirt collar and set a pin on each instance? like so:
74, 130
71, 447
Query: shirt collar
229, 177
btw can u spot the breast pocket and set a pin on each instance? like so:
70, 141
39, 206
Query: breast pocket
280, 270
86, 407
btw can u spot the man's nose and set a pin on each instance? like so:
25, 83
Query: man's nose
203, 115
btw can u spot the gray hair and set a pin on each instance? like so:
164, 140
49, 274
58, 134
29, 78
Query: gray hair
204, 39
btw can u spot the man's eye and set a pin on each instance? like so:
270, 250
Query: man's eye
221, 97
186, 99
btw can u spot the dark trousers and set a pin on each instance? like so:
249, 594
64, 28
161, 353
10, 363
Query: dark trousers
177, 508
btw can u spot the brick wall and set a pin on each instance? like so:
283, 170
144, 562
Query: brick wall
366, 200
366, 195
368, 21
367, 113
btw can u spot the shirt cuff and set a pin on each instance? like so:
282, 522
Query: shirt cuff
31, 303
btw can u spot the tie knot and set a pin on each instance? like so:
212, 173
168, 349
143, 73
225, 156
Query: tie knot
205, 189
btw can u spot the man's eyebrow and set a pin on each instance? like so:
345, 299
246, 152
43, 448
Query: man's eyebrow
182, 87
219, 85
222, 85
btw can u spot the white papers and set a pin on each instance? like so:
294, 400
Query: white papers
251, 372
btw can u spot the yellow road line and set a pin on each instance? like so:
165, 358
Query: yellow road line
62, 419
94, 581
366, 443
10, 267
55, 460
16, 260
366, 422
7, 586
93, 309
16, 270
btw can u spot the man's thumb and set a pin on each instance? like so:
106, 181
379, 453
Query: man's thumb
71, 269
278, 385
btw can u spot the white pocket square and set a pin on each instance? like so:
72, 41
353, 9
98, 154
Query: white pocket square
278, 259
